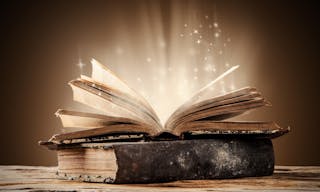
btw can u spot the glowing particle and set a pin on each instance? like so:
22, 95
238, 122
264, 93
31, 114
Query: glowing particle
208, 50
148, 59
99, 93
206, 17
227, 64
139, 79
198, 41
185, 25
93, 85
216, 34
80, 64
215, 24
195, 70
195, 77
195, 31
210, 44
205, 58
200, 37
208, 68
181, 35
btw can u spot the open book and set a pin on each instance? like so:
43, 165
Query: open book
124, 111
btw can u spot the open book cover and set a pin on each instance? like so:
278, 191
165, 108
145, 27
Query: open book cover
122, 111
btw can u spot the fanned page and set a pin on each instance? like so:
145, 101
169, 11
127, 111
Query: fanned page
222, 106
96, 125
205, 115
122, 104
105, 76
113, 98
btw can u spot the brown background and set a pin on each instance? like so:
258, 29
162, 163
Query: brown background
40, 43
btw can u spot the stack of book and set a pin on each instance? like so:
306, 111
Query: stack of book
126, 143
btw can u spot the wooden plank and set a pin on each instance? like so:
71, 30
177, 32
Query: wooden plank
285, 178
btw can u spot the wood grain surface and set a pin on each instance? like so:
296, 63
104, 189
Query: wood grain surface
285, 178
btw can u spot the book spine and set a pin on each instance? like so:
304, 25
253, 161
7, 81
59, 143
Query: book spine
193, 159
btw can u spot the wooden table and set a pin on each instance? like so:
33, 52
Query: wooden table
285, 178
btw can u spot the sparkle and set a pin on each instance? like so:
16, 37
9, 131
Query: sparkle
216, 34
80, 64
195, 31
210, 44
99, 93
185, 25
93, 85
198, 41
209, 50
149, 60
215, 24
210, 68
227, 64
205, 58
139, 79
181, 35
195, 77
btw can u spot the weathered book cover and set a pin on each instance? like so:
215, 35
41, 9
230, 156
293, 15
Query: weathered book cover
161, 161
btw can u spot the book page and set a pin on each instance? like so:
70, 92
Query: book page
243, 94
205, 92
84, 120
202, 127
109, 101
219, 112
102, 74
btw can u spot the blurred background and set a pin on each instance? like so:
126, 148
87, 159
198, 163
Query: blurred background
166, 50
